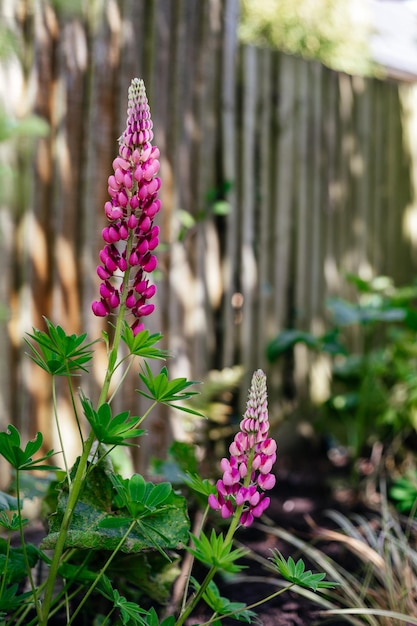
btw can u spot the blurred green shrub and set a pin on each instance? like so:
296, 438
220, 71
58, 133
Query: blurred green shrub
333, 31
374, 385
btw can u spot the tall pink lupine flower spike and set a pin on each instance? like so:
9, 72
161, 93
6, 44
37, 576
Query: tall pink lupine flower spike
247, 473
130, 236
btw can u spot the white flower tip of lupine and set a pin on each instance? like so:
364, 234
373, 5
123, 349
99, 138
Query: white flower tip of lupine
137, 91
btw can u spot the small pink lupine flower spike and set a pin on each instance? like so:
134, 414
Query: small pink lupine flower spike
247, 473
131, 237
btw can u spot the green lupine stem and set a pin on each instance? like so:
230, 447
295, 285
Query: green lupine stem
75, 487
194, 600
57, 604
108, 616
234, 524
18, 621
6, 560
239, 510
54, 404
112, 362
74, 407
249, 606
145, 415
187, 583
124, 375
73, 496
102, 571
23, 544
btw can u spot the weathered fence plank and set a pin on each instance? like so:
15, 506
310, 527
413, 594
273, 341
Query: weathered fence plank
315, 168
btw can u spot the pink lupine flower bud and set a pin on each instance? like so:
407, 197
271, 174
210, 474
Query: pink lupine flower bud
247, 473
130, 211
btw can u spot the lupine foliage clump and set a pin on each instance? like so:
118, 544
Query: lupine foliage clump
110, 555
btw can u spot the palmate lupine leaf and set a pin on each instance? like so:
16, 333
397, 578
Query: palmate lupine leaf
101, 516
166, 391
223, 606
153, 620
58, 353
21, 459
143, 343
13, 561
215, 552
200, 485
9, 600
139, 497
130, 612
12, 523
296, 573
109, 429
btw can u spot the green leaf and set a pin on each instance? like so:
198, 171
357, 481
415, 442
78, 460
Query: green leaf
109, 429
404, 492
10, 601
287, 340
295, 573
143, 343
16, 564
215, 552
223, 606
81, 574
21, 459
152, 618
149, 571
57, 353
201, 486
345, 313
158, 495
130, 612
168, 621
166, 391
94, 528
139, 497
12, 523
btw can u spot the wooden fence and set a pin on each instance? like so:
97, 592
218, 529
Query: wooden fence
279, 176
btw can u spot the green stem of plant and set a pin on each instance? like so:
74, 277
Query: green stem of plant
65, 601
61, 442
234, 524
125, 373
145, 415
108, 616
194, 600
24, 550
112, 360
102, 571
73, 495
6, 561
250, 606
187, 584
57, 603
74, 406
75, 487
18, 621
